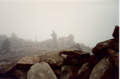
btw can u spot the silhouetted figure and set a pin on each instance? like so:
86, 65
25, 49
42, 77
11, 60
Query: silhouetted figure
54, 36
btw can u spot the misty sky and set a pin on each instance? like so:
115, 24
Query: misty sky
90, 21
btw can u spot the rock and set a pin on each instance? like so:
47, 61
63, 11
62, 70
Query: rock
116, 32
84, 71
69, 72
6, 67
41, 71
26, 62
29, 60
103, 70
100, 49
20, 74
75, 53
53, 59
76, 60
114, 56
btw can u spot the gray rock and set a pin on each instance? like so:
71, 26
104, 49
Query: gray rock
26, 62
103, 70
69, 72
41, 71
53, 59
84, 71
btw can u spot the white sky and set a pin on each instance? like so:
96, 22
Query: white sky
90, 21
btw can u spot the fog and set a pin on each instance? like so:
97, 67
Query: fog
90, 21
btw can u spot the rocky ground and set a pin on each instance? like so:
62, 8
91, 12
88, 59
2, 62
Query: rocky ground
68, 64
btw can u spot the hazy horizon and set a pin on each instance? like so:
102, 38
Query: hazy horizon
89, 21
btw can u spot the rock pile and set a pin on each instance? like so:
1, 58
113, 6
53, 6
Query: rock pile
69, 64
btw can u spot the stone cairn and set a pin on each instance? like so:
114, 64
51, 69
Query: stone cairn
69, 64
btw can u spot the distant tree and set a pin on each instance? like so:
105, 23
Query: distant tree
5, 45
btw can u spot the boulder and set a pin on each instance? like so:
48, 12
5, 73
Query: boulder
54, 59
84, 71
116, 32
100, 49
114, 56
26, 62
29, 60
69, 72
75, 53
103, 70
41, 71
75, 57
6, 67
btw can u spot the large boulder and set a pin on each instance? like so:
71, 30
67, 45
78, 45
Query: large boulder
6, 67
41, 71
53, 59
69, 72
84, 71
103, 70
100, 49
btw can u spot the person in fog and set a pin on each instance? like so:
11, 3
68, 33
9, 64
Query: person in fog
54, 36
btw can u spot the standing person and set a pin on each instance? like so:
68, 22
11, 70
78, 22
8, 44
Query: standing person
54, 36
